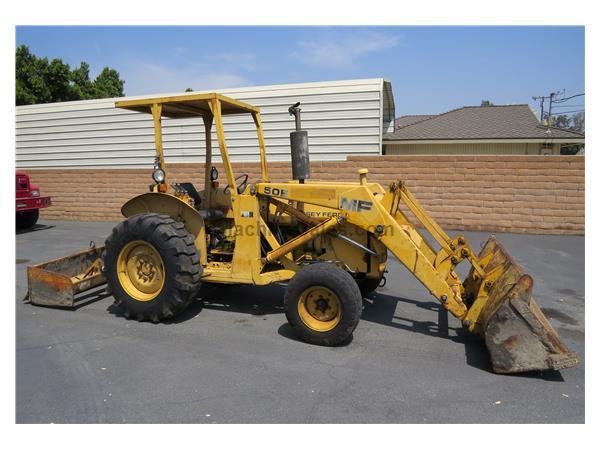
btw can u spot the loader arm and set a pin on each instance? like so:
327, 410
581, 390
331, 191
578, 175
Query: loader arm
494, 301
371, 208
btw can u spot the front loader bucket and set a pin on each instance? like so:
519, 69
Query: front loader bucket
518, 336
56, 282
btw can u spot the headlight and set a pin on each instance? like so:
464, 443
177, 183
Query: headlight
158, 175
34, 192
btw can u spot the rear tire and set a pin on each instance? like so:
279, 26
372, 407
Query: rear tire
323, 304
152, 267
27, 219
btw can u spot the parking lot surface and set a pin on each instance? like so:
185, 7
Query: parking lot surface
231, 357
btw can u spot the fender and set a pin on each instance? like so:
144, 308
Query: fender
157, 202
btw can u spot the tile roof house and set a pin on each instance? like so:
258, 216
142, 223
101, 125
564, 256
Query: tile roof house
496, 129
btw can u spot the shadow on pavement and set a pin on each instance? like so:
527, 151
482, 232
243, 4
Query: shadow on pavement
81, 300
378, 308
254, 300
381, 308
286, 331
37, 227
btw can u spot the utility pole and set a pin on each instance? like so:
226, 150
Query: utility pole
542, 99
552, 94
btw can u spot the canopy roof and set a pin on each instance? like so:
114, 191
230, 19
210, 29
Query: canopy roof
188, 105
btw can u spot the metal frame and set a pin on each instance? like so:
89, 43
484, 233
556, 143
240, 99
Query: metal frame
393, 229
211, 107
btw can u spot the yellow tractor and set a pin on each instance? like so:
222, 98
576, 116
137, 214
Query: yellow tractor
328, 240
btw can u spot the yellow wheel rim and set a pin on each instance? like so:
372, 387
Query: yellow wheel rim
141, 270
319, 308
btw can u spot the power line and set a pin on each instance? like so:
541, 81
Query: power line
553, 102
569, 106
562, 100
567, 112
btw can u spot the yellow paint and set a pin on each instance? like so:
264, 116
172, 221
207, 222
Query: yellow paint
310, 214
140, 270
156, 110
246, 255
189, 105
319, 309
208, 120
261, 145
175, 208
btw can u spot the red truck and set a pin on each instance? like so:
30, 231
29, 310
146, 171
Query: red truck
29, 201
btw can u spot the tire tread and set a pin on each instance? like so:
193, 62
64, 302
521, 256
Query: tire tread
176, 246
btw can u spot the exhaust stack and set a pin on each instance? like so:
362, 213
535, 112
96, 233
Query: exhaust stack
299, 147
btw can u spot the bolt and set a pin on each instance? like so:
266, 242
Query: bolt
444, 298
379, 229
464, 252
461, 241
454, 260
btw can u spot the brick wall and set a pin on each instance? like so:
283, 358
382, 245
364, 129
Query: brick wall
524, 194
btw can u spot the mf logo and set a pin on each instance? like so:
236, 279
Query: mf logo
355, 205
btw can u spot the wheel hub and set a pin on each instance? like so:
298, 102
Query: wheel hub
319, 308
141, 270
145, 269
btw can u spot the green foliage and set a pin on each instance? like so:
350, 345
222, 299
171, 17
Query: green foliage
108, 84
571, 149
578, 122
40, 81
189, 89
561, 121
575, 122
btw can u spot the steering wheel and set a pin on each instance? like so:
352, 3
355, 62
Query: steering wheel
241, 186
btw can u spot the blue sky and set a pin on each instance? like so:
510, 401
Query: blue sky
432, 69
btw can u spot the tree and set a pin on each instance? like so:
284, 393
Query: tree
189, 89
561, 121
40, 81
108, 84
486, 103
81, 78
578, 122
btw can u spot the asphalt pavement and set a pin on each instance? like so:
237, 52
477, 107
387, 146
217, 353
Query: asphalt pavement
232, 358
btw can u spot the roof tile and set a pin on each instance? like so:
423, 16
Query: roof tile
478, 122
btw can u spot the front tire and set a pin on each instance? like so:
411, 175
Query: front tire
152, 267
27, 219
323, 304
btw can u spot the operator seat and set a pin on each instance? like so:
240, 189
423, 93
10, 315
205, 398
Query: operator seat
207, 214
192, 192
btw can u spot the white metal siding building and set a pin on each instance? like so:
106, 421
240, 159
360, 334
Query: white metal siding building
342, 118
